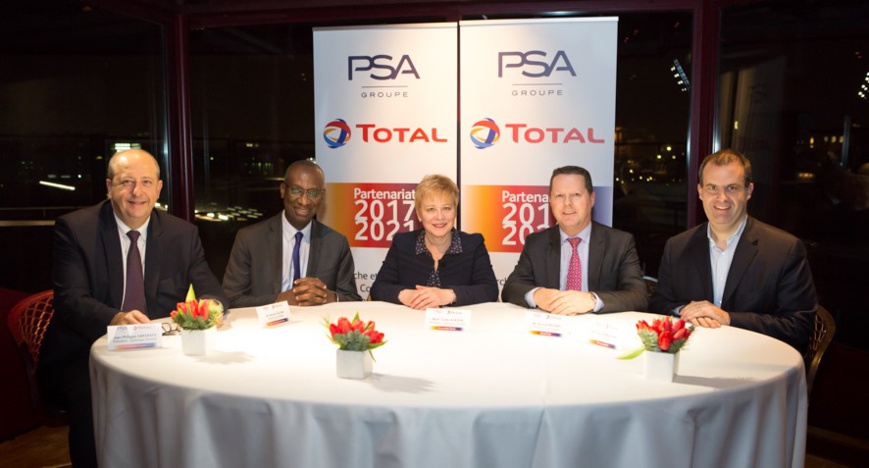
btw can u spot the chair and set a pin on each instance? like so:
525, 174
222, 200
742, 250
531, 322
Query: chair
822, 335
27, 321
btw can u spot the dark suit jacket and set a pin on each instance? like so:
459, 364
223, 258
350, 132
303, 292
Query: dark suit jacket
88, 276
614, 272
769, 286
469, 274
253, 274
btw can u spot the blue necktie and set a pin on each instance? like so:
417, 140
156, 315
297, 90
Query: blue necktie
134, 295
297, 270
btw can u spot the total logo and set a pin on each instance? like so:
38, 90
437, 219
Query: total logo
485, 133
337, 133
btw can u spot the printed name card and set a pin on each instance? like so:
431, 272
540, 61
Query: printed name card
144, 335
273, 314
607, 334
546, 324
447, 319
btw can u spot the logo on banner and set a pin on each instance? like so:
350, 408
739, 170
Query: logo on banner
534, 63
485, 133
336, 133
383, 66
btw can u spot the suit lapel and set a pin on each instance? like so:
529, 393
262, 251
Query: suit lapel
313, 251
596, 249
699, 249
746, 251
111, 244
553, 258
274, 243
152, 262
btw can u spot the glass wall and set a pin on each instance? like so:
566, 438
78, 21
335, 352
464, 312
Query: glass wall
793, 98
76, 84
252, 105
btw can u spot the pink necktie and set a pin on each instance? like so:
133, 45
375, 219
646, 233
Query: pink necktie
574, 271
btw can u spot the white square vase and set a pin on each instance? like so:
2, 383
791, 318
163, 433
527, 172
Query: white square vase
661, 366
354, 364
197, 342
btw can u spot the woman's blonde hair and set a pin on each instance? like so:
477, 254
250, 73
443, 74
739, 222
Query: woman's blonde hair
435, 184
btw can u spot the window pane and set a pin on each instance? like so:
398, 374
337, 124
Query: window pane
74, 83
790, 84
652, 102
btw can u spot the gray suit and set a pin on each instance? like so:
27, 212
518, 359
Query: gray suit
614, 272
253, 274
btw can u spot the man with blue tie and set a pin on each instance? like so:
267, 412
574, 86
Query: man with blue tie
292, 257
120, 262
578, 265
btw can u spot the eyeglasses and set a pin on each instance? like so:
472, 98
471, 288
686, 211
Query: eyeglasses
170, 329
297, 192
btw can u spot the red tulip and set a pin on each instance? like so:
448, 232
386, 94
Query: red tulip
664, 341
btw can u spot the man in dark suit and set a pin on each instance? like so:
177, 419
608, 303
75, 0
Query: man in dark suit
735, 270
269, 263
607, 275
94, 288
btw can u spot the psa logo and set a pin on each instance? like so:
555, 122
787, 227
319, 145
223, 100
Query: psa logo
532, 63
485, 133
336, 133
383, 64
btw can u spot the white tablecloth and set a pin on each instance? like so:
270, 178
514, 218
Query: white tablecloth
491, 396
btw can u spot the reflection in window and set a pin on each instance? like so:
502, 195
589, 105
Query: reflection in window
790, 81
68, 99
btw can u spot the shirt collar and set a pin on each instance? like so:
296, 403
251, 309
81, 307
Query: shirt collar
291, 230
585, 234
455, 244
733, 237
124, 229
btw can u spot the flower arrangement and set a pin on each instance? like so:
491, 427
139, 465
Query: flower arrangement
354, 335
664, 335
197, 315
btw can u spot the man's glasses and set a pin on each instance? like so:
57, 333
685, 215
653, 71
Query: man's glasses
170, 329
297, 192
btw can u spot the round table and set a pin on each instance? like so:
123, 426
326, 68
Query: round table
492, 395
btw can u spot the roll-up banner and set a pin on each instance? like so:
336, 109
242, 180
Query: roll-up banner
385, 102
535, 95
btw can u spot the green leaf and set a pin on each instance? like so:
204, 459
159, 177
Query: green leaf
191, 296
632, 354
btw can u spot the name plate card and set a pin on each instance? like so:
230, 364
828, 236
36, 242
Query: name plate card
144, 335
546, 324
273, 314
608, 334
447, 319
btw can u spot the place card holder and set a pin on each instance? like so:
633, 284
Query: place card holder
272, 315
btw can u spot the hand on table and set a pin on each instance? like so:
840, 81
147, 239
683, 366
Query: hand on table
704, 314
132, 317
307, 292
424, 297
564, 302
